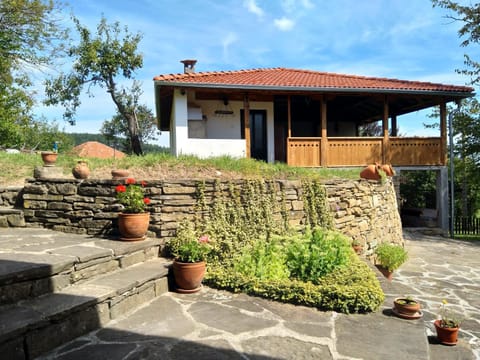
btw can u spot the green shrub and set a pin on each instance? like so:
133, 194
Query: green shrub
324, 272
264, 260
352, 288
391, 256
317, 254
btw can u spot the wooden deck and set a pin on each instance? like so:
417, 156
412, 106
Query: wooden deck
361, 151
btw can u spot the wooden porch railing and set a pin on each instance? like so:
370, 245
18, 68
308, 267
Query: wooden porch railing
361, 151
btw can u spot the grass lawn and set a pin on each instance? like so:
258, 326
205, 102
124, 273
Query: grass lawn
467, 237
17, 167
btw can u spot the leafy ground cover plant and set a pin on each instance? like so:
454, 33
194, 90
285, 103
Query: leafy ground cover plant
318, 269
316, 254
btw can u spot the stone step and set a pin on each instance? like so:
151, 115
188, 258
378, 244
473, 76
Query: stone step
34, 326
38, 261
11, 217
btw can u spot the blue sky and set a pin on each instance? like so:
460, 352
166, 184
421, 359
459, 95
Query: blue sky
404, 39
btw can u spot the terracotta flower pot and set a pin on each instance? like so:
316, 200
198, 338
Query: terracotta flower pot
447, 336
388, 170
188, 276
81, 170
385, 272
406, 308
358, 249
119, 174
133, 227
371, 172
49, 158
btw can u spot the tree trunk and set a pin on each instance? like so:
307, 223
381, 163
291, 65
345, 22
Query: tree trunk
134, 138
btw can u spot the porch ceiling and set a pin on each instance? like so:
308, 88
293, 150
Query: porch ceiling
361, 108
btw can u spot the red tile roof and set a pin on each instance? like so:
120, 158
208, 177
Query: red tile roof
282, 78
97, 150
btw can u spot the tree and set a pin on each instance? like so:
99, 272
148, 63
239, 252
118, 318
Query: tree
470, 30
31, 36
466, 124
102, 60
115, 131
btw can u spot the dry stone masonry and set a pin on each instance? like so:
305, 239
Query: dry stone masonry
362, 209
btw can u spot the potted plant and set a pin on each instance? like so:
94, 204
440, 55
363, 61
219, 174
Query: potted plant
447, 326
133, 220
357, 246
406, 307
190, 253
390, 257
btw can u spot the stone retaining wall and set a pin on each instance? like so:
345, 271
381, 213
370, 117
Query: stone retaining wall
9, 196
364, 210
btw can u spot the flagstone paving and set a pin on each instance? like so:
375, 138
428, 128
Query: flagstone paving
216, 324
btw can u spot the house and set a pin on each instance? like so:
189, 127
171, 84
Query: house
304, 118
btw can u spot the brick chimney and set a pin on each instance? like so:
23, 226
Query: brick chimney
188, 66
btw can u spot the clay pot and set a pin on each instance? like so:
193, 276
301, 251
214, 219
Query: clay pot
447, 336
388, 169
133, 227
371, 172
358, 249
49, 158
81, 170
404, 307
385, 272
119, 174
188, 276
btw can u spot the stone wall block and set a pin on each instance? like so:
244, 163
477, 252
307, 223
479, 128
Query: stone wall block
80, 214
96, 191
35, 189
64, 189
168, 190
34, 204
297, 205
59, 206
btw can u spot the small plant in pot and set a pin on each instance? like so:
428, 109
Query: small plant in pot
389, 257
133, 221
406, 307
357, 246
190, 252
447, 326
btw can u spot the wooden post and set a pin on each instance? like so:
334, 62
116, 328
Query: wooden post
289, 116
443, 133
394, 125
324, 140
246, 106
289, 127
385, 142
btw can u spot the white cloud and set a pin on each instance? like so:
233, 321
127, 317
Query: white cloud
252, 6
284, 24
226, 42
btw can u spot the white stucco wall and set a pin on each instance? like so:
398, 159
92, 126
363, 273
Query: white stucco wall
222, 132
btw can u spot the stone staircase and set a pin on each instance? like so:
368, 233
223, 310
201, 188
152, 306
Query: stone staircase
55, 287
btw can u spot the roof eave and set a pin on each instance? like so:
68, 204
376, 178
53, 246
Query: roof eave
458, 94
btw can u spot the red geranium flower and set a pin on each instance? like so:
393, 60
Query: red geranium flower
132, 196
120, 188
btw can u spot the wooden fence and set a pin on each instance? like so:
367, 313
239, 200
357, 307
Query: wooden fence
467, 226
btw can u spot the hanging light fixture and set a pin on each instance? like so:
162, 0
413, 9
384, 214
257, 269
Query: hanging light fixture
226, 110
